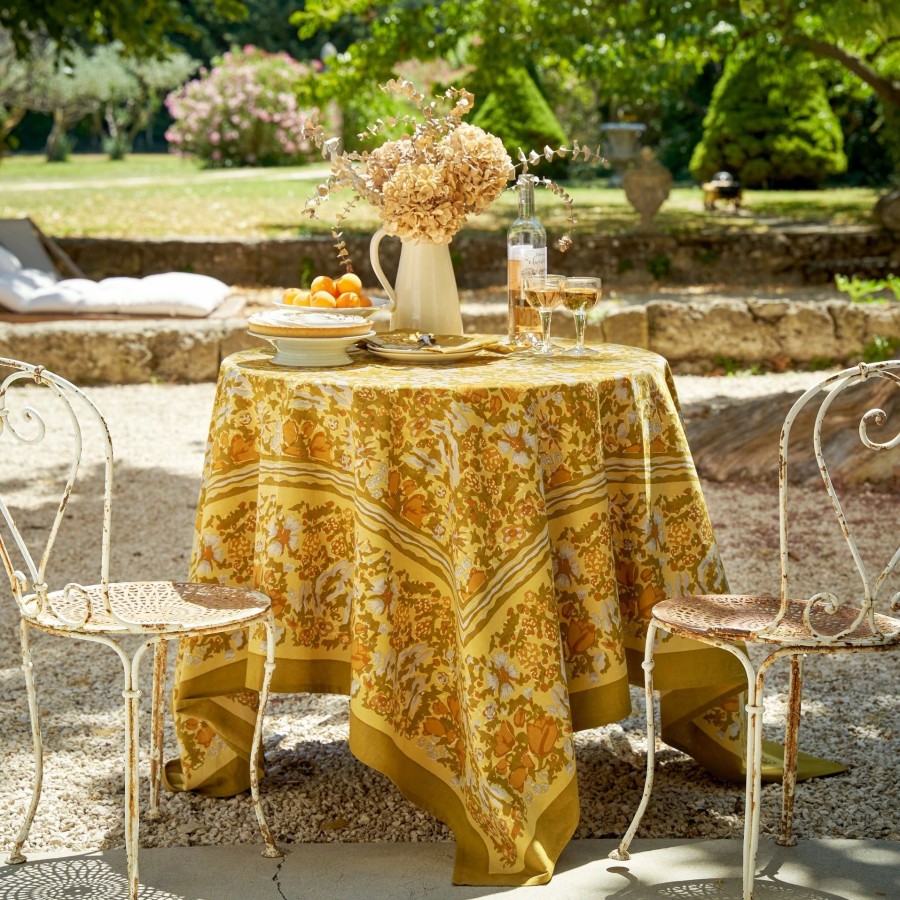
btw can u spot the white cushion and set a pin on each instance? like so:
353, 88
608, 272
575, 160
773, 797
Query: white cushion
169, 294
18, 287
9, 262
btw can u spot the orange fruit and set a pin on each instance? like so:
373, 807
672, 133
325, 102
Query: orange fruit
348, 300
322, 283
322, 298
348, 282
364, 300
296, 297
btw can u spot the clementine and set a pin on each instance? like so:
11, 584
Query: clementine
323, 283
323, 298
348, 282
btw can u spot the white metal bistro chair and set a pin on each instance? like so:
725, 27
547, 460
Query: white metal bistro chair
104, 613
786, 627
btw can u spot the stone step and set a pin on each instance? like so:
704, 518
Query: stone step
696, 336
801, 254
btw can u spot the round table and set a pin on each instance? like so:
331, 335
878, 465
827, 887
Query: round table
470, 552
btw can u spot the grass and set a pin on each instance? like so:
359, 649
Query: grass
155, 195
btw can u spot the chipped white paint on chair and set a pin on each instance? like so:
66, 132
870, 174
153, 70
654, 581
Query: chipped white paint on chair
105, 612
786, 626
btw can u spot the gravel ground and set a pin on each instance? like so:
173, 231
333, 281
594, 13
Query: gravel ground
316, 790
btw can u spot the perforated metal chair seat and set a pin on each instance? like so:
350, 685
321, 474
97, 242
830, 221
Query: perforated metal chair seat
740, 617
154, 606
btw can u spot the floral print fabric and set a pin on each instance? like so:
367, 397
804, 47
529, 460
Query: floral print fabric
471, 553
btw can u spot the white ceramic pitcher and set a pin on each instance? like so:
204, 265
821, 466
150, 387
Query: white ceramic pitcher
425, 297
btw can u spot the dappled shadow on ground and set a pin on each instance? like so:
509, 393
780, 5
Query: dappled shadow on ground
73, 878
718, 888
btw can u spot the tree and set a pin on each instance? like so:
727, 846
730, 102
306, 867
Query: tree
66, 93
13, 79
518, 114
127, 91
634, 52
131, 91
140, 26
770, 124
267, 26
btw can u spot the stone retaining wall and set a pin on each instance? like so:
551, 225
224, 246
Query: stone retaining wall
796, 256
694, 337
781, 333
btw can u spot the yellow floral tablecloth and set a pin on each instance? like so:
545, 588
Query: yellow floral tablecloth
470, 552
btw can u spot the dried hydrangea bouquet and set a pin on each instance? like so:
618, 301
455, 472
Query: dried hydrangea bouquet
425, 185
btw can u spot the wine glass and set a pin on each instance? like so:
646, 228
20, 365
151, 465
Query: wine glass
581, 295
544, 293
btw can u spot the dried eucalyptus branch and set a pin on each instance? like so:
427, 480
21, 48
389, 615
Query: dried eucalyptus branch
533, 158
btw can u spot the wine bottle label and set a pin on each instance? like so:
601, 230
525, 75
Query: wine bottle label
523, 260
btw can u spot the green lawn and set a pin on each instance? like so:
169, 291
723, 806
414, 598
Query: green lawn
22, 168
164, 196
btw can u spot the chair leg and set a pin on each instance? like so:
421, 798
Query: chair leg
789, 781
132, 696
754, 780
271, 850
621, 852
16, 855
157, 720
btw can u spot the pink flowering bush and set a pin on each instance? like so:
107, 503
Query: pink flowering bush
245, 112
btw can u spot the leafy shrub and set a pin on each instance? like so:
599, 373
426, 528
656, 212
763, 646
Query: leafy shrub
770, 124
367, 106
660, 266
880, 348
868, 290
516, 111
116, 147
243, 112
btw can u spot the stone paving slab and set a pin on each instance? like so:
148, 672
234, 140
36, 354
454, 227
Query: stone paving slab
813, 870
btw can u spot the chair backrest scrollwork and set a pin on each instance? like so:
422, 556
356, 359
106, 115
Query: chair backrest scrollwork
827, 392
24, 424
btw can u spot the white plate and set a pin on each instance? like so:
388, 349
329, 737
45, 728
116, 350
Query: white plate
312, 352
378, 303
422, 356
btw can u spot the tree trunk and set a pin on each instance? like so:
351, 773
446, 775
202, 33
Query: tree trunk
14, 115
887, 89
737, 442
55, 148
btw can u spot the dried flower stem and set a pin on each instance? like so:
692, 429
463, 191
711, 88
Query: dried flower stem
426, 183
533, 158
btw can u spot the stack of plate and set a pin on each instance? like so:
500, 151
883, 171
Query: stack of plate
309, 339
431, 349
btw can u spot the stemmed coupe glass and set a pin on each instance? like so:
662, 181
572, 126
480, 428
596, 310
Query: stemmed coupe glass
580, 295
544, 293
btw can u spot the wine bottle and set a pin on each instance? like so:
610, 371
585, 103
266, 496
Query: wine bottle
526, 254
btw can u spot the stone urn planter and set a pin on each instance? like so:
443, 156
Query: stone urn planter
621, 145
647, 185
